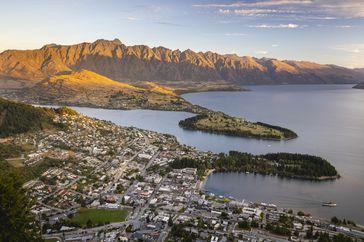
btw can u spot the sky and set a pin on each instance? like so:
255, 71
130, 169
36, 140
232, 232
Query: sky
323, 31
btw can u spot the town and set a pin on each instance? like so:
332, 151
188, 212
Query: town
102, 182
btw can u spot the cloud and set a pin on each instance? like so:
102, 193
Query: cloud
275, 26
275, 45
168, 23
342, 8
235, 34
344, 26
261, 52
255, 12
255, 4
351, 48
305, 9
132, 18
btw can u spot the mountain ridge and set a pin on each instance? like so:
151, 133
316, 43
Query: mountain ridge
172, 68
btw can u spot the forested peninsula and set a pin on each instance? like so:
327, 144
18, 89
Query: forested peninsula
220, 123
289, 165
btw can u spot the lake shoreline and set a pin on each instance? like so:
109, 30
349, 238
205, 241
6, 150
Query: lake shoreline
300, 114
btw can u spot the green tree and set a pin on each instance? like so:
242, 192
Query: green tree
341, 238
335, 220
244, 224
170, 222
309, 233
89, 223
324, 238
254, 224
17, 223
224, 215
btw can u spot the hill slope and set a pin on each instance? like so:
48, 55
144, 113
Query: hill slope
18, 118
87, 88
164, 66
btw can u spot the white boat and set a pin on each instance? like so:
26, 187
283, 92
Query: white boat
329, 204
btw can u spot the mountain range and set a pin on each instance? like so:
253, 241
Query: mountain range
173, 68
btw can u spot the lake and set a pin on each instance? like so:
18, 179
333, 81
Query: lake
329, 120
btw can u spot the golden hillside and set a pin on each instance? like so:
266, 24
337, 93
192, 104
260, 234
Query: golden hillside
87, 88
160, 89
86, 79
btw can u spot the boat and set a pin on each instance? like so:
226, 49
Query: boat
329, 204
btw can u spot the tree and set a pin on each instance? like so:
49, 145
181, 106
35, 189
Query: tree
254, 224
244, 225
224, 215
17, 223
324, 237
335, 220
89, 223
170, 222
82, 201
309, 233
341, 238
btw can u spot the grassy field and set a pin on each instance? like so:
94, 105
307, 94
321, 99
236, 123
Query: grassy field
16, 162
227, 123
100, 215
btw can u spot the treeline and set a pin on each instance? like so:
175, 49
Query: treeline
282, 164
17, 223
17, 118
190, 123
345, 222
302, 164
299, 166
179, 232
287, 133
325, 237
200, 165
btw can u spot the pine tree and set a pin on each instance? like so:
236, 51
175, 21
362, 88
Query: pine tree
17, 223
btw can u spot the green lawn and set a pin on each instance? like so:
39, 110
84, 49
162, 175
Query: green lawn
100, 215
16, 162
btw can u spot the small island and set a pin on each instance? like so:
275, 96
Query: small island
220, 123
288, 165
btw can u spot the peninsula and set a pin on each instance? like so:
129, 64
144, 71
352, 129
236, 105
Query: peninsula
89, 89
220, 123
289, 165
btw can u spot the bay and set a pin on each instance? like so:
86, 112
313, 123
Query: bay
329, 120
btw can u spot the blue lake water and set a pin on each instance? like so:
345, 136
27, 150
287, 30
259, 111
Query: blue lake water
329, 120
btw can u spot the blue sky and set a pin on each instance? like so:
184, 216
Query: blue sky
324, 31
